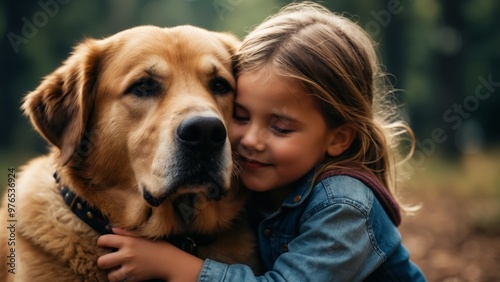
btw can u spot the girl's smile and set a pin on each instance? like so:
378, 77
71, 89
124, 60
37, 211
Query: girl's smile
251, 164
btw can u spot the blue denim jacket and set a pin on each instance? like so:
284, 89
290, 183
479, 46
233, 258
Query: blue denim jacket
334, 231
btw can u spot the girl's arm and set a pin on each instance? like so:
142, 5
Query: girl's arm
333, 244
139, 259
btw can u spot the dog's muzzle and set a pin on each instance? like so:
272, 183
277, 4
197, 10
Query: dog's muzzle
200, 160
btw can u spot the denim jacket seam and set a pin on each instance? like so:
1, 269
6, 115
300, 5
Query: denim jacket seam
369, 228
203, 273
332, 197
203, 276
332, 202
364, 209
312, 211
373, 240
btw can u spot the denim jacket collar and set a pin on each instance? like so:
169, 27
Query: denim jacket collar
303, 189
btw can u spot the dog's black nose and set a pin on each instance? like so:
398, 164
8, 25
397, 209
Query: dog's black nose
199, 132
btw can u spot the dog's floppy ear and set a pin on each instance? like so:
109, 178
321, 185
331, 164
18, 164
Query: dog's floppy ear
59, 107
230, 42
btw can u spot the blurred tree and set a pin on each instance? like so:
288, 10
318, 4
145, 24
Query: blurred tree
15, 67
450, 60
482, 59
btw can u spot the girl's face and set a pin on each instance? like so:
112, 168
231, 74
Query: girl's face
277, 131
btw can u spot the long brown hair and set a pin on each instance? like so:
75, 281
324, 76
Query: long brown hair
333, 59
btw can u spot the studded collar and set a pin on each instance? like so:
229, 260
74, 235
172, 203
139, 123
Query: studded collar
88, 214
95, 219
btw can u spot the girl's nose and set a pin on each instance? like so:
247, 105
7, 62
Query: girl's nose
254, 139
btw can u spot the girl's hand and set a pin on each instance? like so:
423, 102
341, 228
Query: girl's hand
135, 260
138, 259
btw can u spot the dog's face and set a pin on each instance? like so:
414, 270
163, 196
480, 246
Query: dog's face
143, 112
171, 93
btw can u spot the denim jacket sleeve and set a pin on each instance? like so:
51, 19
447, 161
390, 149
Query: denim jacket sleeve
333, 239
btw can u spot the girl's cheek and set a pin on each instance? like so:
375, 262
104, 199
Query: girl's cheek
235, 134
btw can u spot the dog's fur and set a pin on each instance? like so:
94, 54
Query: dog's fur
113, 113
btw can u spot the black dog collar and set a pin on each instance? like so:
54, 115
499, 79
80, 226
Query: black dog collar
95, 219
88, 214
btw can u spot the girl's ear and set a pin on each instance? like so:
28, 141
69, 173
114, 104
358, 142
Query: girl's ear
341, 139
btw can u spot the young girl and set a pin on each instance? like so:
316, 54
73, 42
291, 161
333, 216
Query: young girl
315, 143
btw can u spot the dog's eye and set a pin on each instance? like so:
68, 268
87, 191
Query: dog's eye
145, 87
220, 86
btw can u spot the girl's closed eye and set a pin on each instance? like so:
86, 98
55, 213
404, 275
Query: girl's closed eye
240, 115
240, 118
281, 130
281, 126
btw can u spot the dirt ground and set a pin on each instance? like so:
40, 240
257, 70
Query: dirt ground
455, 239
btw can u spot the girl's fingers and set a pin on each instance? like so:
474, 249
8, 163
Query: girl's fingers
115, 240
110, 241
119, 231
109, 261
114, 276
118, 275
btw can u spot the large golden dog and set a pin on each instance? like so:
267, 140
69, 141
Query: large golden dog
138, 122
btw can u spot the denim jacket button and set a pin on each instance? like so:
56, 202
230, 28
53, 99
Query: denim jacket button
284, 248
297, 198
267, 232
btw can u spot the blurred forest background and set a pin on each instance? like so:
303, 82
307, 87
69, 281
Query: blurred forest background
443, 55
